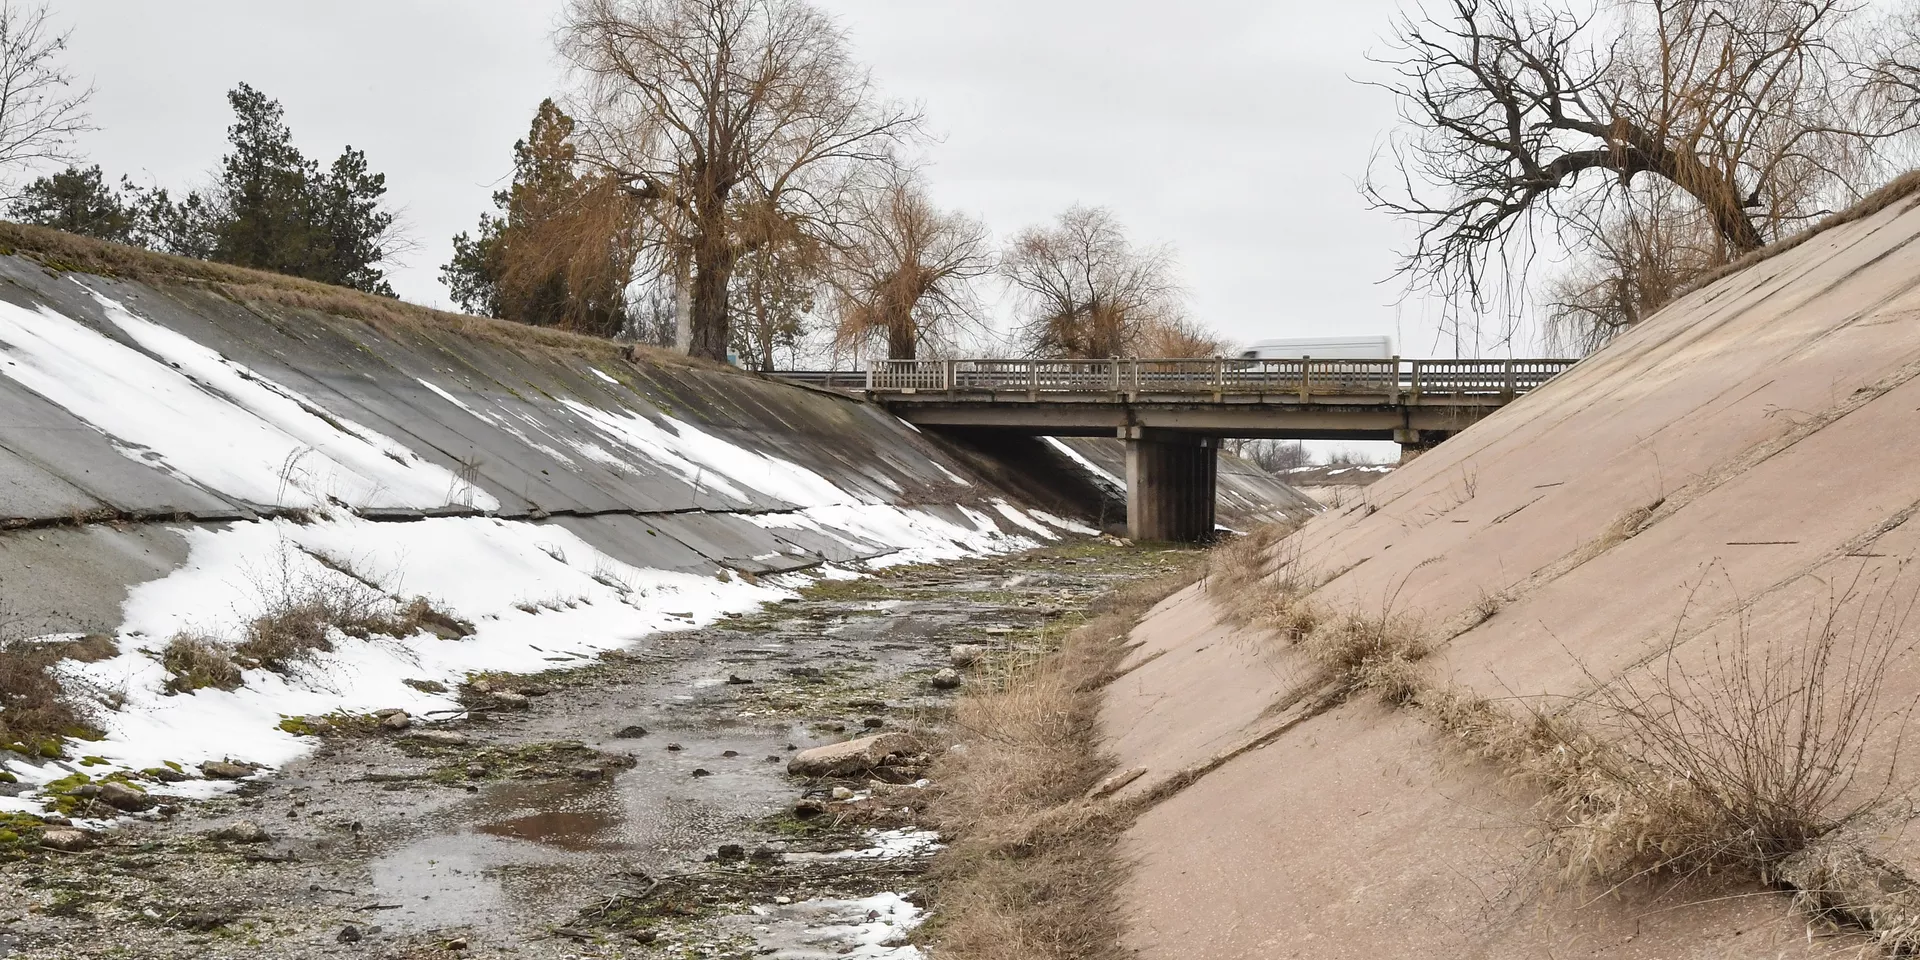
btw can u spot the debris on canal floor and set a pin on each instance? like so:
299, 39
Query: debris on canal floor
568, 824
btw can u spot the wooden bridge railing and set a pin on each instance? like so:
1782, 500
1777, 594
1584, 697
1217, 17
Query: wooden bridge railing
1304, 378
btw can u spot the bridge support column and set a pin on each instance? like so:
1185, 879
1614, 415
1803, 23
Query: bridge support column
1416, 442
1170, 486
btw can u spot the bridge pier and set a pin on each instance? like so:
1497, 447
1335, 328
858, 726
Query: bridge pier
1416, 442
1170, 485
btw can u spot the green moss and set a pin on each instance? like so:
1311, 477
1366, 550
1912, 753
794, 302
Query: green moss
337, 723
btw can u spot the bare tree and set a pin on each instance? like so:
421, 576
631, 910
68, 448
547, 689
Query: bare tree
41, 110
1526, 115
1646, 254
709, 110
907, 271
1085, 290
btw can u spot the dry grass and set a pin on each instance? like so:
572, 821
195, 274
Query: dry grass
300, 610
1031, 869
1729, 766
1896, 190
194, 662
67, 252
34, 707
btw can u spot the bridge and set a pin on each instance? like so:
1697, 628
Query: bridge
1173, 412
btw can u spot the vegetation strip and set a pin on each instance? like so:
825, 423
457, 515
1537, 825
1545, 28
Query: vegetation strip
1752, 766
1031, 865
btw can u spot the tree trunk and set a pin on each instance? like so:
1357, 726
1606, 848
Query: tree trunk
902, 340
682, 306
712, 271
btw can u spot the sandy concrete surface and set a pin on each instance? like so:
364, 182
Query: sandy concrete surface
1723, 475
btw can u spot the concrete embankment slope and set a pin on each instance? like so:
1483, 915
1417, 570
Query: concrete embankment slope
185, 448
1712, 483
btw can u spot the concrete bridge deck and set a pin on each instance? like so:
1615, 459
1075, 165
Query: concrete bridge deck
1171, 412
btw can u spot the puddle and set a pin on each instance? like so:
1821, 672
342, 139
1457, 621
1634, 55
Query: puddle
568, 830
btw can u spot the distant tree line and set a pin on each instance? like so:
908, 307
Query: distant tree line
724, 178
269, 207
729, 180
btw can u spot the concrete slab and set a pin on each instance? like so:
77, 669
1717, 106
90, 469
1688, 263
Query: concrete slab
733, 542
639, 541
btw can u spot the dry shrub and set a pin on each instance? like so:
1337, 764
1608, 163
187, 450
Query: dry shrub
1375, 653
301, 609
33, 705
1727, 766
1030, 871
194, 661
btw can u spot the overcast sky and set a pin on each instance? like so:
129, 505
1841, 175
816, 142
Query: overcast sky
1231, 130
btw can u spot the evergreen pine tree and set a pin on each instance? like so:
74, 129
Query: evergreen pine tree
77, 201
559, 252
269, 220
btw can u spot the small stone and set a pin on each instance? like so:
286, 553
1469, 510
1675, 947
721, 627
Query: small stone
730, 754
773, 758
535, 690
631, 732
729, 852
873, 723
426, 686
765, 855
243, 831
964, 654
349, 934
702, 772
851, 757
476, 771
674, 748
808, 808
168, 775
388, 712
396, 721
440, 738
947, 679
122, 797
225, 770
65, 838
588, 773
733, 680
842, 793
1112, 785
457, 943
516, 701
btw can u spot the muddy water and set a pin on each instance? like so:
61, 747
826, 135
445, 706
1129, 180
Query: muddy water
611, 847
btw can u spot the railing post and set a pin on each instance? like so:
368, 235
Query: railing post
1508, 392
1306, 374
1133, 377
1396, 376
1033, 379
1413, 378
870, 367
946, 375
1219, 378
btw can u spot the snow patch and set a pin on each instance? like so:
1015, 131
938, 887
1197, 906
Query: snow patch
211, 421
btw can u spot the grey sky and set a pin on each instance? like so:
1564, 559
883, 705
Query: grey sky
1228, 129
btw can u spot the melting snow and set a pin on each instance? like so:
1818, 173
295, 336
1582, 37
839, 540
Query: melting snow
1091, 467
871, 928
207, 419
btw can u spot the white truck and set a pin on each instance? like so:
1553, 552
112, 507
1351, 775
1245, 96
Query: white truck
1320, 348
